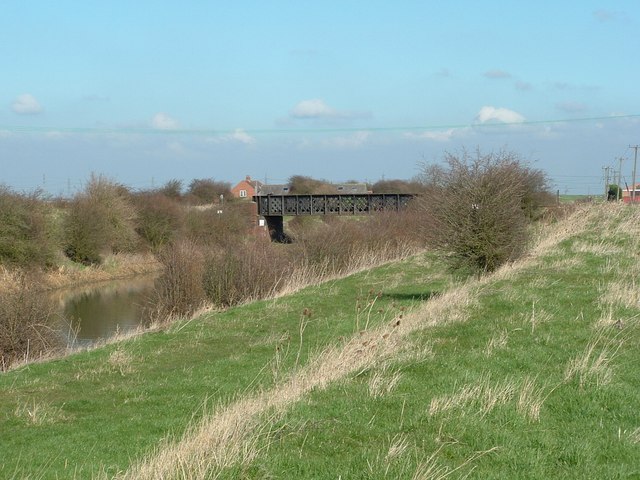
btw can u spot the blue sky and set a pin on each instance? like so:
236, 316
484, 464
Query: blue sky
144, 91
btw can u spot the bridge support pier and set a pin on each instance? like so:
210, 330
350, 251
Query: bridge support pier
275, 224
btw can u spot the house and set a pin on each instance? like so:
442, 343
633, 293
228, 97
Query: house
246, 188
627, 193
351, 188
326, 189
274, 190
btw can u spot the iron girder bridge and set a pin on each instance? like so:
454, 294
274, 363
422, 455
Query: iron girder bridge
274, 207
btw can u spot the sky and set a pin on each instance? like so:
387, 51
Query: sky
148, 91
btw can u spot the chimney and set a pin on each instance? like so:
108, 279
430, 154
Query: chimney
248, 178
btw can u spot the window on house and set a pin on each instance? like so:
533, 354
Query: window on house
243, 193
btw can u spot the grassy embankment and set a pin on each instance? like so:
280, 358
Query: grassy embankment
528, 373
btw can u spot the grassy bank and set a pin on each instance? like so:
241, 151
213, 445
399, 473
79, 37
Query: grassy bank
403, 371
137, 392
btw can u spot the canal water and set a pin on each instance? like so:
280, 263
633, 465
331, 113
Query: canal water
100, 311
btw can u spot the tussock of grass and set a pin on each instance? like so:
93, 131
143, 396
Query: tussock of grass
482, 396
383, 381
38, 413
497, 342
594, 365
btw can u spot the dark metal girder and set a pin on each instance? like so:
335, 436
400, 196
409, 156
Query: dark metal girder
355, 204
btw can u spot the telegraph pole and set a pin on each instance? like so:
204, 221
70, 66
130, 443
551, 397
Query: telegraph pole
633, 180
619, 191
606, 183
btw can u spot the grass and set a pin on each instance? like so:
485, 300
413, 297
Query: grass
141, 390
528, 373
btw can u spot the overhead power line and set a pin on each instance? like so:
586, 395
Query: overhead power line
261, 131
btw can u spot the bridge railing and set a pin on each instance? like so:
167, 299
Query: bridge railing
354, 204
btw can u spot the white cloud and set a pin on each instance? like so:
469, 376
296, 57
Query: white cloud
26, 104
314, 108
162, 121
238, 136
317, 109
493, 114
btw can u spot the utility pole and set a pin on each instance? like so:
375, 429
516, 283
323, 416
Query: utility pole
606, 183
633, 180
619, 190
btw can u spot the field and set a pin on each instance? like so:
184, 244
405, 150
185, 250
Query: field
401, 371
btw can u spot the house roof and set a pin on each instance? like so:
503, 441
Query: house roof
273, 189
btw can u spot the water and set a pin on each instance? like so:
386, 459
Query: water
100, 311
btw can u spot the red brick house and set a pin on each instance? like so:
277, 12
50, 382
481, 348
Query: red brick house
246, 188
627, 193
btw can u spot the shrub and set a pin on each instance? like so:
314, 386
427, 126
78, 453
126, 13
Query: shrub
246, 271
172, 189
28, 322
208, 227
101, 219
207, 190
342, 244
301, 185
179, 290
27, 230
160, 219
397, 186
477, 209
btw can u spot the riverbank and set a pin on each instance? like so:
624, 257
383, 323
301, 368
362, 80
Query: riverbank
70, 275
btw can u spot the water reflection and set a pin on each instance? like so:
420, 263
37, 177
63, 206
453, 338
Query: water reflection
102, 310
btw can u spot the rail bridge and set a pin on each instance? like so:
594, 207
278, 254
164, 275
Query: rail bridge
274, 207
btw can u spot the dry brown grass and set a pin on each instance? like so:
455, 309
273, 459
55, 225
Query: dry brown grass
38, 413
383, 380
497, 342
484, 395
114, 267
594, 365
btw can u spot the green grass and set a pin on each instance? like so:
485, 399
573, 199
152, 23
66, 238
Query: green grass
103, 408
529, 373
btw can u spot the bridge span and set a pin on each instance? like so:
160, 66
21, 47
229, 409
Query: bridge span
274, 207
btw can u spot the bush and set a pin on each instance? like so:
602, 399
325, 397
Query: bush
244, 272
397, 186
179, 290
301, 185
101, 220
160, 219
207, 190
27, 230
208, 227
172, 189
28, 323
341, 244
477, 209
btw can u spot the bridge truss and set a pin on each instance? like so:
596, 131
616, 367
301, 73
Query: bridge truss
275, 207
